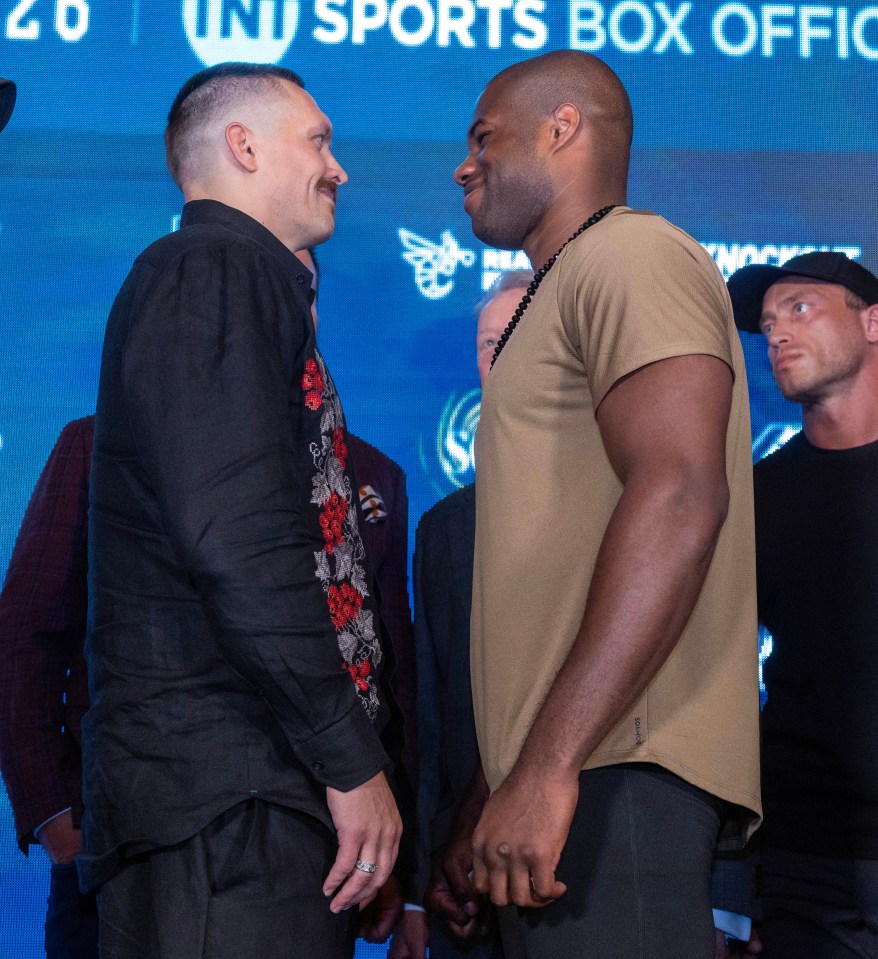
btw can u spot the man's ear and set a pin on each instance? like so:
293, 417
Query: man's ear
870, 315
240, 141
566, 120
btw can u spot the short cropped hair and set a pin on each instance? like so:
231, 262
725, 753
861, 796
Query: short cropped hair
510, 280
854, 302
207, 94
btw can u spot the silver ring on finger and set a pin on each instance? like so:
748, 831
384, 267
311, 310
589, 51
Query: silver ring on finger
369, 867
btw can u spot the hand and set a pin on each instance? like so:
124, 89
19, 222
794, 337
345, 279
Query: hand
411, 937
450, 893
519, 839
736, 947
368, 828
378, 918
60, 839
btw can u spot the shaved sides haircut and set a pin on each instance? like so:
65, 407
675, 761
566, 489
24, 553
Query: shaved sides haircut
543, 83
208, 95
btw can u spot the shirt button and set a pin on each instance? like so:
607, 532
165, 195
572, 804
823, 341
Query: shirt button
317, 766
254, 792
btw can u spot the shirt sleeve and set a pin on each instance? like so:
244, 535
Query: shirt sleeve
640, 292
212, 381
42, 625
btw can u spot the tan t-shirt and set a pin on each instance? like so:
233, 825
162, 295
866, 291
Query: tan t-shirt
630, 291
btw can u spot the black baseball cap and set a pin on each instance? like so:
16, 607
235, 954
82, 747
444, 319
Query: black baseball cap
7, 101
749, 285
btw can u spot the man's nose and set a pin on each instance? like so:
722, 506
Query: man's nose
464, 171
779, 334
335, 172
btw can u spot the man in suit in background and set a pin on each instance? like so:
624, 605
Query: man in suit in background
448, 752
44, 687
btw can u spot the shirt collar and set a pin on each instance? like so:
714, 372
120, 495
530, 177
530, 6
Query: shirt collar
236, 221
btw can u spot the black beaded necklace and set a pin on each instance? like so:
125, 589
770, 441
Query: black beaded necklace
539, 276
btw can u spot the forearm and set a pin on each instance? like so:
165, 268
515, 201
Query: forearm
649, 572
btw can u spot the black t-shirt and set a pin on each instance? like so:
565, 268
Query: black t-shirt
817, 566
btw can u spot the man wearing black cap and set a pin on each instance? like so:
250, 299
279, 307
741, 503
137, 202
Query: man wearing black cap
817, 568
7, 101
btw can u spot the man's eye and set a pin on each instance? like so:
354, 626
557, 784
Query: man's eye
766, 328
480, 139
489, 342
800, 308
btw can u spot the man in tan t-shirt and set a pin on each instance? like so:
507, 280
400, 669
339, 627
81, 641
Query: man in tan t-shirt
614, 626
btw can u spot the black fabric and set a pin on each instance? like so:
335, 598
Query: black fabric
215, 670
817, 569
71, 917
637, 869
818, 907
448, 753
248, 884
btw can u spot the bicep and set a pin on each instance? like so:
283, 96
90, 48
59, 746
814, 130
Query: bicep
669, 415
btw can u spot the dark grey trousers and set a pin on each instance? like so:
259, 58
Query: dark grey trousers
637, 867
249, 884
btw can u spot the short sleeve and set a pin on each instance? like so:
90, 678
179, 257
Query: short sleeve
637, 292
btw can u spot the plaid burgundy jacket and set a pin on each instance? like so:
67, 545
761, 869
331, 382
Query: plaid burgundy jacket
43, 685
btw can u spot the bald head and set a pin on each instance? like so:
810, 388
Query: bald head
549, 146
541, 85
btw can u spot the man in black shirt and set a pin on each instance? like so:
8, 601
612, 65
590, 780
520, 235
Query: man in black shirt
235, 796
817, 570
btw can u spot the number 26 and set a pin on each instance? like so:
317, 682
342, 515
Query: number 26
71, 20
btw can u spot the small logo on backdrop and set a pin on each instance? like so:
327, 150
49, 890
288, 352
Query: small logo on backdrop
434, 263
372, 505
453, 452
250, 31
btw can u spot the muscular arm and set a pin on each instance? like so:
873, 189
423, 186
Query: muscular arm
664, 430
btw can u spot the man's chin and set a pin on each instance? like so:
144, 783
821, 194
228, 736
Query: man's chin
321, 233
495, 236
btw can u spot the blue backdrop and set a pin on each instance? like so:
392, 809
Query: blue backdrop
755, 130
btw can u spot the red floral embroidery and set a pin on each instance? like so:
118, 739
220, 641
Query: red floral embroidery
339, 447
332, 517
345, 603
359, 671
313, 383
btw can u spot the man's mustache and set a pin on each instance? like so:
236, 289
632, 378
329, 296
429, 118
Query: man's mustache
329, 185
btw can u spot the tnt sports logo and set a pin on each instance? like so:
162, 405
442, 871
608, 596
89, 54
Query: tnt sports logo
434, 263
250, 31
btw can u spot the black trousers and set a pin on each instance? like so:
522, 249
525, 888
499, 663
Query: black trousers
249, 884
637, 867
817, 907
71, 917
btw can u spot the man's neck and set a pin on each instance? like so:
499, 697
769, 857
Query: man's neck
843, 422
563, 218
